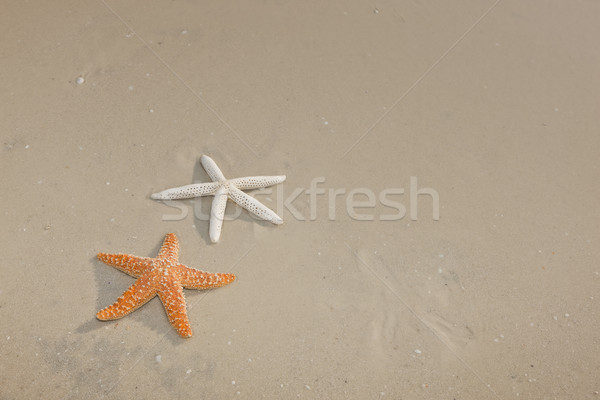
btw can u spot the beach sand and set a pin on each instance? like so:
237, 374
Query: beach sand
483, 112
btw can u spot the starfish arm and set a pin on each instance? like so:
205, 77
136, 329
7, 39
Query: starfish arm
187, 191
195, 279
256, 182
254, 206
171, 295
131, 265
217, 214
136, 296
212, 169
170, 248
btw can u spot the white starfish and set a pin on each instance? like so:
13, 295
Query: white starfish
223, 188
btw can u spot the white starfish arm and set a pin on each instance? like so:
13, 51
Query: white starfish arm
254, 206
256, 182
211, 169
187, 191
217, 214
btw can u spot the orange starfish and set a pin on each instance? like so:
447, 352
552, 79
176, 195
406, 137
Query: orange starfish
162, 276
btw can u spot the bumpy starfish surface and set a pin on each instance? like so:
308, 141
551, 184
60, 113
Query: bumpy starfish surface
162, 276
223, 189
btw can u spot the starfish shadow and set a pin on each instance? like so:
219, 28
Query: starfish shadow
107, 285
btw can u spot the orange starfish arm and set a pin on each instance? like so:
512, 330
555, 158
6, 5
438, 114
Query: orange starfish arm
195, 279
173, 299
136, 296
170, 247
131, 265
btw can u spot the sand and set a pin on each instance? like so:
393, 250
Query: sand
484, 112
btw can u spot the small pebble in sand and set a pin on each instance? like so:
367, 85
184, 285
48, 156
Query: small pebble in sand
158, 358
80, 80
417, 351
189, 371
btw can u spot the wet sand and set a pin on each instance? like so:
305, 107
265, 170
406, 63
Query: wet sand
387, 114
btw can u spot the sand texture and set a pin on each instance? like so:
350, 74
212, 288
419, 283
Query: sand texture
441, 207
